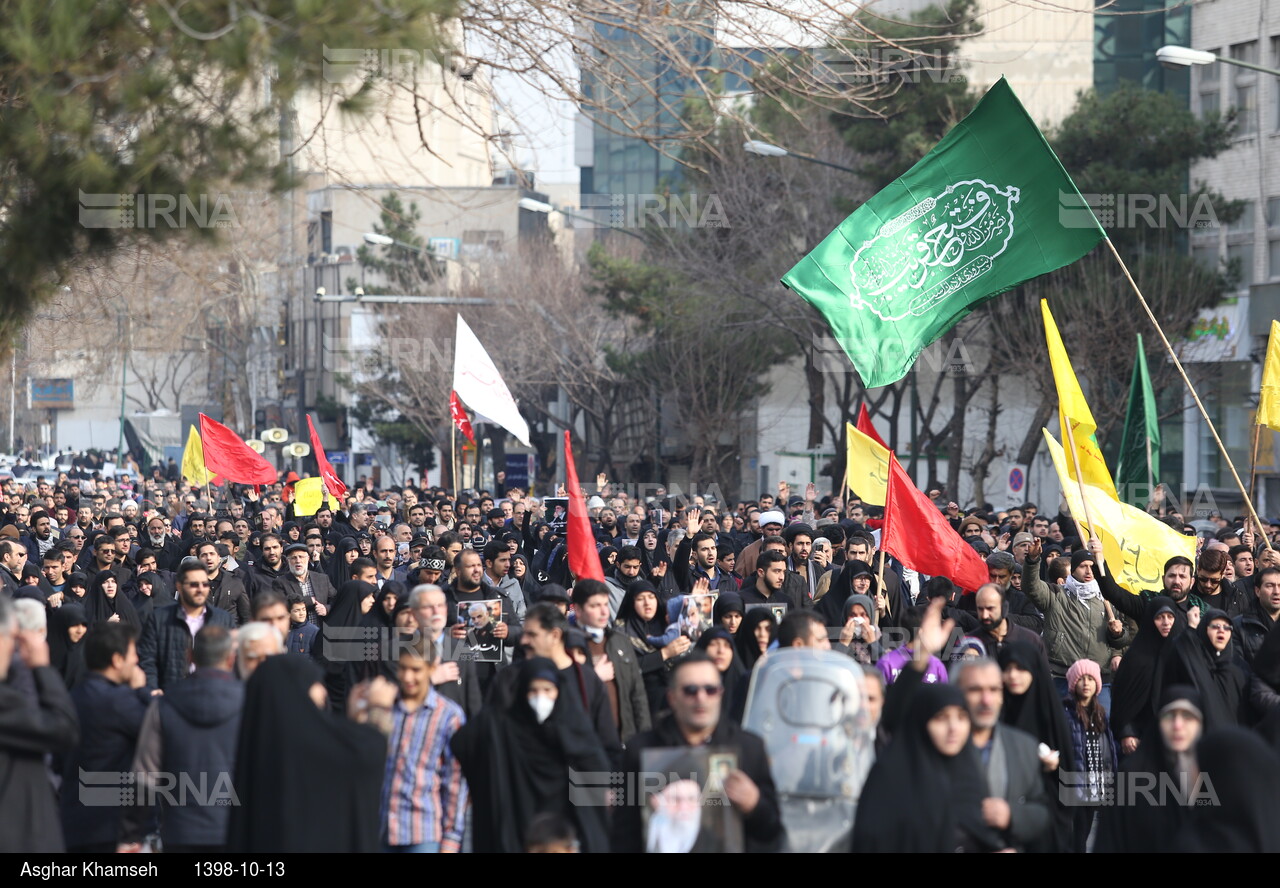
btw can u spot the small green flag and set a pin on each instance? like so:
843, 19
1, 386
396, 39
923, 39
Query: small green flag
987, 209
1138, 469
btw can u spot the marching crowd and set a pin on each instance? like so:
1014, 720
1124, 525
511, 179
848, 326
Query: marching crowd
418, 671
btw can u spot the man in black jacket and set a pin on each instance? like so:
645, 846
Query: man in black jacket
613, 658
191, 733
695, 696
225, 591
110, 703
29, 730
167, 634
1252, 626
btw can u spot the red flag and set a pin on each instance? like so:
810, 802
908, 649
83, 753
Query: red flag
460, 418
864, 425
226, 455
918, 535
584, 558
332, 482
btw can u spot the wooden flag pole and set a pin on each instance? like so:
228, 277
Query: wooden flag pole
1253, 461
1248, 499
1084, 501
453, 458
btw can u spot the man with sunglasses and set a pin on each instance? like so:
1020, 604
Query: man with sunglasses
168, 634
696, 694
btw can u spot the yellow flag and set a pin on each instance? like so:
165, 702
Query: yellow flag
1269, 399
308, 496
1136, 545
1074, 410
193, 461
868, 467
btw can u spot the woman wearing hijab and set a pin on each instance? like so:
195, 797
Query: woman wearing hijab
348, 608
640, 620
149, 592
529, 584
77, 587
924, 794
305, 779
729, 611
291, 532
1245, 772
66, 629
1136, 684
517, 760
1205, 658
1032, 704
1166, 757
758, 630
859, 635
347, 551
717, 642
106, 603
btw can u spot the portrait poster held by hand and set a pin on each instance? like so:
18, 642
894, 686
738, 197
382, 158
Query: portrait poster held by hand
481, 618
686, 809
697, 614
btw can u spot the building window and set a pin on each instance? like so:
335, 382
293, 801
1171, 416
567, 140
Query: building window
1244, 88
1209, 88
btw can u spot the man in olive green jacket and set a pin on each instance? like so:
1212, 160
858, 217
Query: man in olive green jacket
1079, 624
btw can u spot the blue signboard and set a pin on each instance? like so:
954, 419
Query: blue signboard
337, 457
52, 394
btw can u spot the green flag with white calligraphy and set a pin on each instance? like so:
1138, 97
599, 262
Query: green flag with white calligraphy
987, 209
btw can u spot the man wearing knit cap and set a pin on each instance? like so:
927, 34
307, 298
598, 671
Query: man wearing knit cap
771, 523
1079, 624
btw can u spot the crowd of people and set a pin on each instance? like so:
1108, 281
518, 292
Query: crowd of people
418, 670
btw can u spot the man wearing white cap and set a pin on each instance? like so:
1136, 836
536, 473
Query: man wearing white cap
771, 523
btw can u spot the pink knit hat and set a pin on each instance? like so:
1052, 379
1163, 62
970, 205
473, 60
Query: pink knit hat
1080, 668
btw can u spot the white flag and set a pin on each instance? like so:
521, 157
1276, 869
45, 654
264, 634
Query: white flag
480, 386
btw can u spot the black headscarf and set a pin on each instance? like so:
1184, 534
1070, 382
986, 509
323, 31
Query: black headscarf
378, 616
744, 640
1137, 682
1245, 773
1222, 682
65, 656
728, 603
917, 800
98, 607
1039, 711
831, 607
1149, 822
76, 578
306, 780
160, 595
339, 569
336, 642
731, 676
638, 630
517, 768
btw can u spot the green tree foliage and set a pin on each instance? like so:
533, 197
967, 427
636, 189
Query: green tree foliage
929, 92
406, 264
151, 98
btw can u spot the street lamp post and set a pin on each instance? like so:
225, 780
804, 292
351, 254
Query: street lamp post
1183, 57
538, 206
765, 149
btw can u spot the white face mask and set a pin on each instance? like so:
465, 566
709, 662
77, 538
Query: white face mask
596, 634
541, 705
